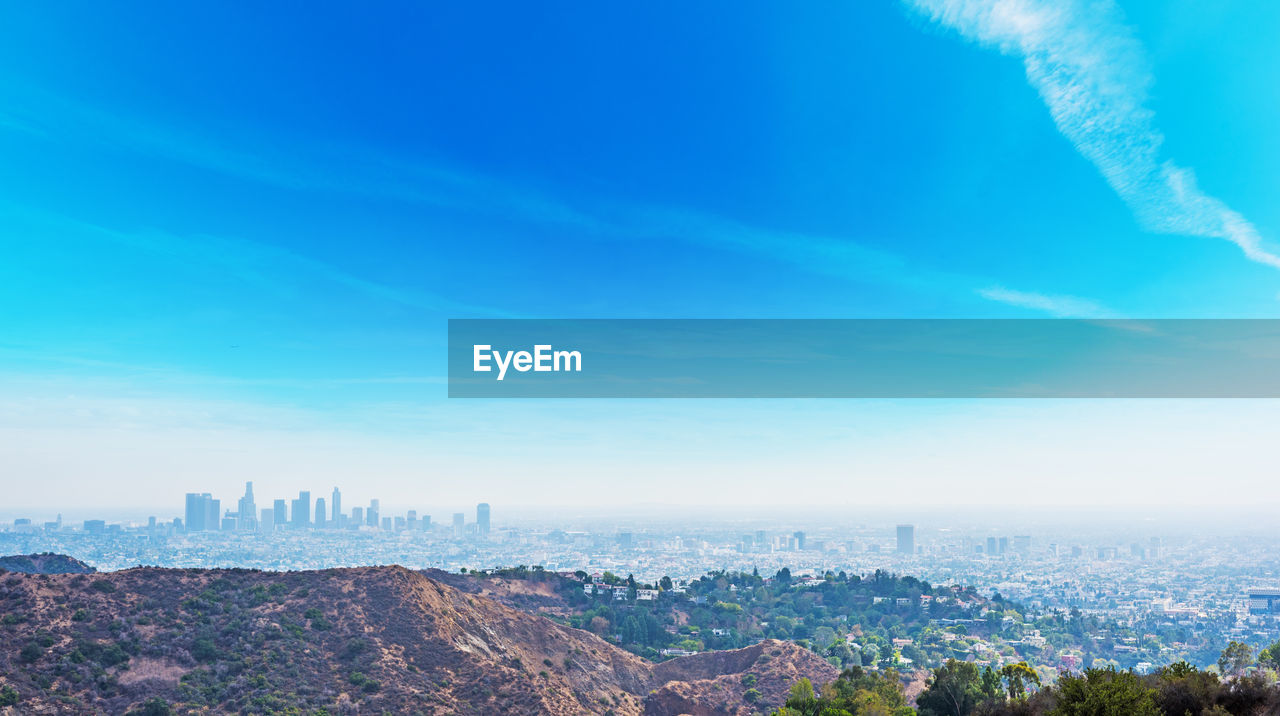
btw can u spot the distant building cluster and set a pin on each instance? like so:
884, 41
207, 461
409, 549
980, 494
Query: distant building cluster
203, 513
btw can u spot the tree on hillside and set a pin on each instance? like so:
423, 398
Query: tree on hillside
1270, 656
855, 692
802, 699
956, 688
1182, 688
1018, 677
1104, 692
1235, 658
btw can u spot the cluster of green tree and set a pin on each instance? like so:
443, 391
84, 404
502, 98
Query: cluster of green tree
964, 689
728, 610
1149, 639
853, 620
857, 692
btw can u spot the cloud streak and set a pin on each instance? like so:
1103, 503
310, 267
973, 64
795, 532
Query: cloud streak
269, 266
1092, 74
296, 165
1059, 306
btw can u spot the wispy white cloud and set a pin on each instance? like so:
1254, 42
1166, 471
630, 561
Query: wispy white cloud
268, 266
1092, 74
1060, 306
295, 164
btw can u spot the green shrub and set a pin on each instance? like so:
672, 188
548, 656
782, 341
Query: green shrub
154, 706
354, 648
203, 649
111, 655
31, 652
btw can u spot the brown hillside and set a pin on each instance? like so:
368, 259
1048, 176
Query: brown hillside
538, 597
716, 683
44, 563
351, 641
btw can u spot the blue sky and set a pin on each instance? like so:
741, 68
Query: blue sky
233, 234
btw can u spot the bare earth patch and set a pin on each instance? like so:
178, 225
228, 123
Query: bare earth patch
147, 669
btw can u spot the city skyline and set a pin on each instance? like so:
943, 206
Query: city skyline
205, 513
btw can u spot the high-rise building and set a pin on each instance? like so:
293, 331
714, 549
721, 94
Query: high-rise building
1004, 545
357, 516
320, 512
302, 510
281, 514
426, 523
459, 525
411, 521
335, 507
202, 512
371, 515
991, 545
267, 520
482, 518
906, 539
195, 511
799, 540
246, 510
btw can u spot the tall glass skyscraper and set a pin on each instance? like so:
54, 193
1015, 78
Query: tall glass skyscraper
302, 509
906, 539
246, 510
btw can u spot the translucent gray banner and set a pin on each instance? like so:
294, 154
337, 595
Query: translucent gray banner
926, 358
